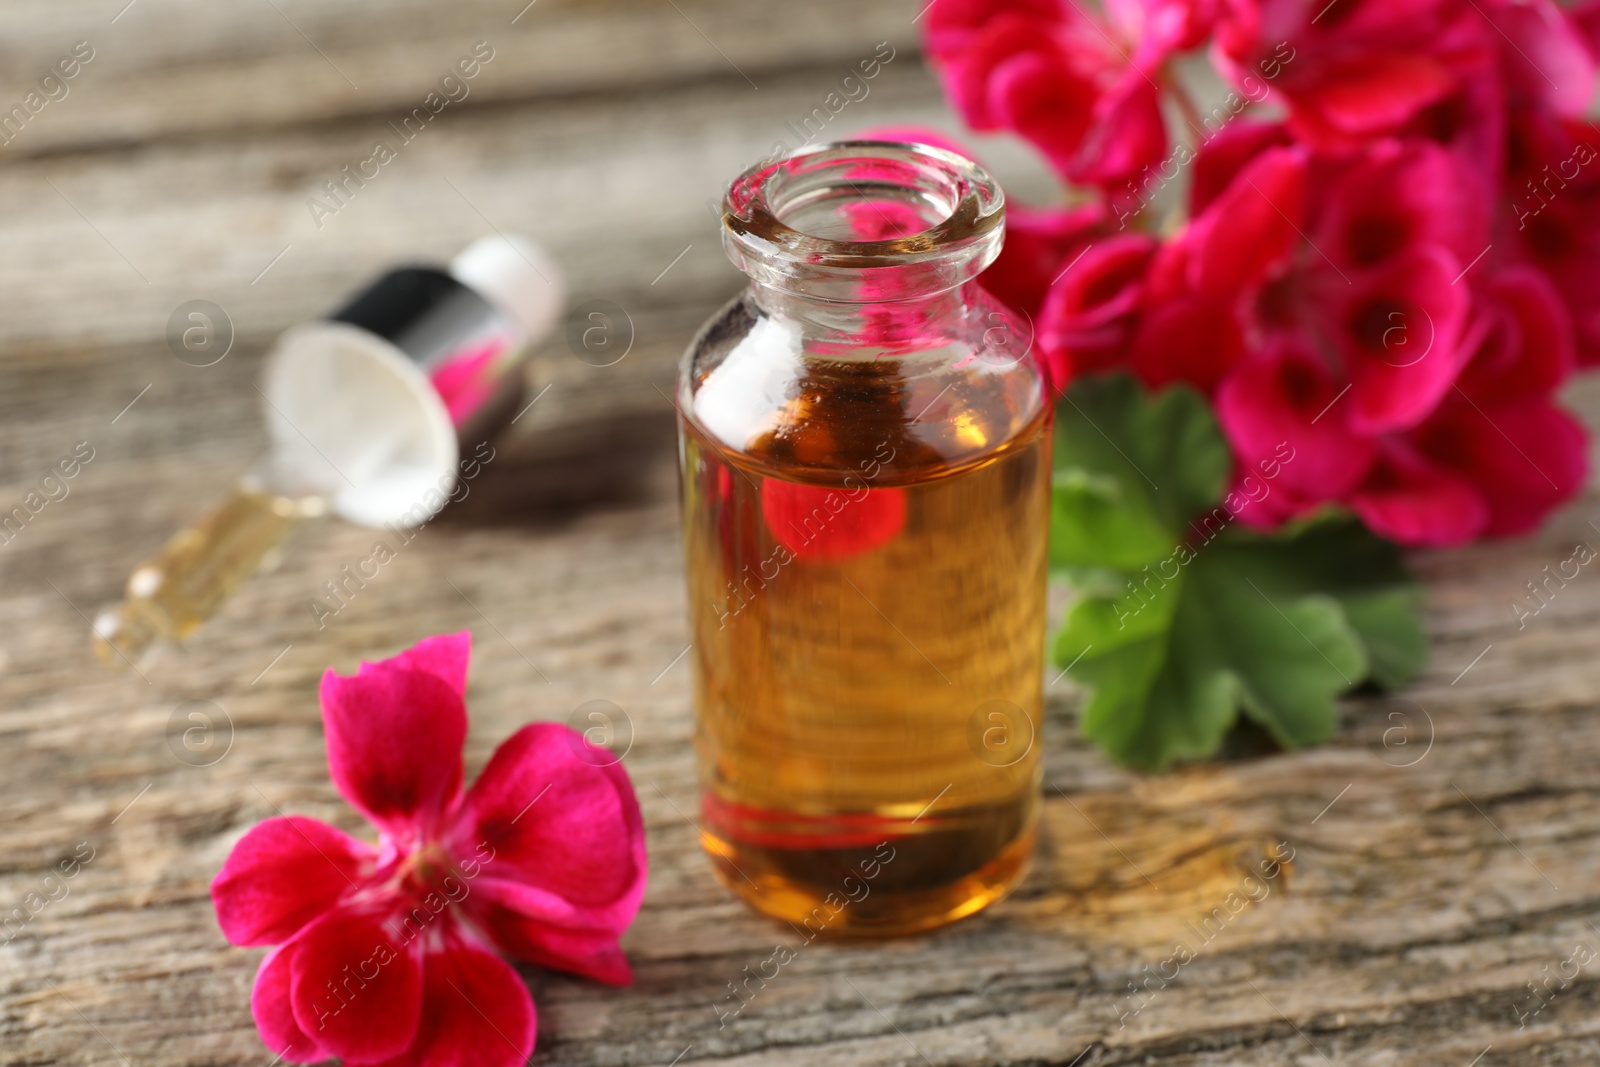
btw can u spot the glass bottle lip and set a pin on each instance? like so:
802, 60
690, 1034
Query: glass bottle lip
960, 208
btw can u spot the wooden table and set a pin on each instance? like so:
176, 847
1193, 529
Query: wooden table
1444, 841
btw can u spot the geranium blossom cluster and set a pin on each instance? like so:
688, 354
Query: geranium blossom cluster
1389, 248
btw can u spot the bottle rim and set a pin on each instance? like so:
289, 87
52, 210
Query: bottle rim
788, 223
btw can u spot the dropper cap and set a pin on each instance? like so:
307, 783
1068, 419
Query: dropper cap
518, 277
369, 409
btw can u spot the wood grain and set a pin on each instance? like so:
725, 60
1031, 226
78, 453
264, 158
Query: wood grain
1445, 843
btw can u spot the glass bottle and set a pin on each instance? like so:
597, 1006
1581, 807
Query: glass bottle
865, 464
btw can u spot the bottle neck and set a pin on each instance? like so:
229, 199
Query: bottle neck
899, 327
870, 242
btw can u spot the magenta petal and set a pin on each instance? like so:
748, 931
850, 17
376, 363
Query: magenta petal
1399, 195
1163, 26
1528, 346
1040, 244
269, 1003
1409, 499
1585, 16
950, 25
1194, 339
975, 76
527, 928
1088, 315
1525, 458
1225, 154
394, 744
353, 989
1399, 330
1282, 403
1127, 133
476, 1012
1378, 91
1251, 227
538, 904
1545, 54
1046, 101
283, 874
558, 814
444, 655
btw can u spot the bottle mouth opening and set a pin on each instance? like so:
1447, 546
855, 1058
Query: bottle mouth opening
832, 210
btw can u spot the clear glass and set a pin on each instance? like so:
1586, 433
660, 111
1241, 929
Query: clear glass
170, 595
865, 463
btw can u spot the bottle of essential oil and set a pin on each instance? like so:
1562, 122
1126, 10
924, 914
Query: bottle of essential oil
865, 448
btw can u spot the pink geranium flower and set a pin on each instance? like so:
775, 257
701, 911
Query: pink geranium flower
1394, 277
1088, 315
1081, 88
1354, 69
1415, 394
389, 954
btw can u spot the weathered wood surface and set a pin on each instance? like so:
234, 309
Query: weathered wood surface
1445, 841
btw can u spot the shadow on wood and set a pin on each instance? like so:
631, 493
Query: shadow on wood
548, 477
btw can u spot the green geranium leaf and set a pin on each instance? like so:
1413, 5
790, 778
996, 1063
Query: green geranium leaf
1172, 666
1093, 523
1181, 624
1389, 624
1336, 555
1165, 452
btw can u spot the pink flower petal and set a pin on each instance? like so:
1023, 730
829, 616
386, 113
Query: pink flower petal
283, 874
353, 989
1044, 100
1409, 499
1126, 133
1585, 16
1040, 243
1282, 402
1398, 330
1250, 229
274, 1014
1164, 26
1528, 348
1187, 339
476, 1012
1088, 317
1554, 182
1399, 195
445, 655
1357, 69
558, 814
950, 25
1226, 153
1025, 45
1377, 91
1544, 53
1471, 121
535, 926
394, 743
1525, 458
